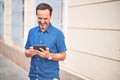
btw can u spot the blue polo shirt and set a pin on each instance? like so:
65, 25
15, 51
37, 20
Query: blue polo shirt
41, 68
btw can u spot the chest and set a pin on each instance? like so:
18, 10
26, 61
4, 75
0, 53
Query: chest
39, 38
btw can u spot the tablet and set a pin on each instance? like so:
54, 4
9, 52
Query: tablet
38, 47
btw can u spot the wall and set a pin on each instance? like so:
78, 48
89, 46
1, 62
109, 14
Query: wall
1, 19
29, 16
7, 21
94, 39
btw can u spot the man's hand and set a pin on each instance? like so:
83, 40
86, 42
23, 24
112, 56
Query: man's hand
44, 53
31, 52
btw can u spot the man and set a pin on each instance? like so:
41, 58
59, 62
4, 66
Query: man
44, 63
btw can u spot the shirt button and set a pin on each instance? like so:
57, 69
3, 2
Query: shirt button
38, 59
36, 67
36, 75
36, 79
40, 41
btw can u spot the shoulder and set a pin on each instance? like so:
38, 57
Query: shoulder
34, 29
57, 32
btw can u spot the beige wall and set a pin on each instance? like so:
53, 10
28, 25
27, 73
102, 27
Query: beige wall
94, 39
7, 20
29, 16
7, 47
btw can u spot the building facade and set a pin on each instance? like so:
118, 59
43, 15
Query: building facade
91, 28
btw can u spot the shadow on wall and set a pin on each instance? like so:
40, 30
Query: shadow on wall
15, 54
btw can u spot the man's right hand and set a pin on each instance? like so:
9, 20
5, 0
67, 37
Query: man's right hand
30, 52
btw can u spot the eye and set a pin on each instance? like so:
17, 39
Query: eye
39, 18
45, 18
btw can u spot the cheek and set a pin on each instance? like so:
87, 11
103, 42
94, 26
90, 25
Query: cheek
48, 21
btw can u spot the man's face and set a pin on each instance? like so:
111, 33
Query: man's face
43, 17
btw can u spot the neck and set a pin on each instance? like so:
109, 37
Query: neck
43, 30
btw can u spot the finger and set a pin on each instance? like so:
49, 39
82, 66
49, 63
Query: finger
31, 48
39, 52
42, 49
47, 49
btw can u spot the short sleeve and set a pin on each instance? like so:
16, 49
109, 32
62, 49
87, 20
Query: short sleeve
27, 45
61, 46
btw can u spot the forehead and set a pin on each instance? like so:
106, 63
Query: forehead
45, 12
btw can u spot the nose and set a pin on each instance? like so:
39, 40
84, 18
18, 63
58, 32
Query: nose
42, 21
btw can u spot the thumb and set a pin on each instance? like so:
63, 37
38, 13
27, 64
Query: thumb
47, 49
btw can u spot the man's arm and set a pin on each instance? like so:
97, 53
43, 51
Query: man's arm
54, 56
58, 57
45, 54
